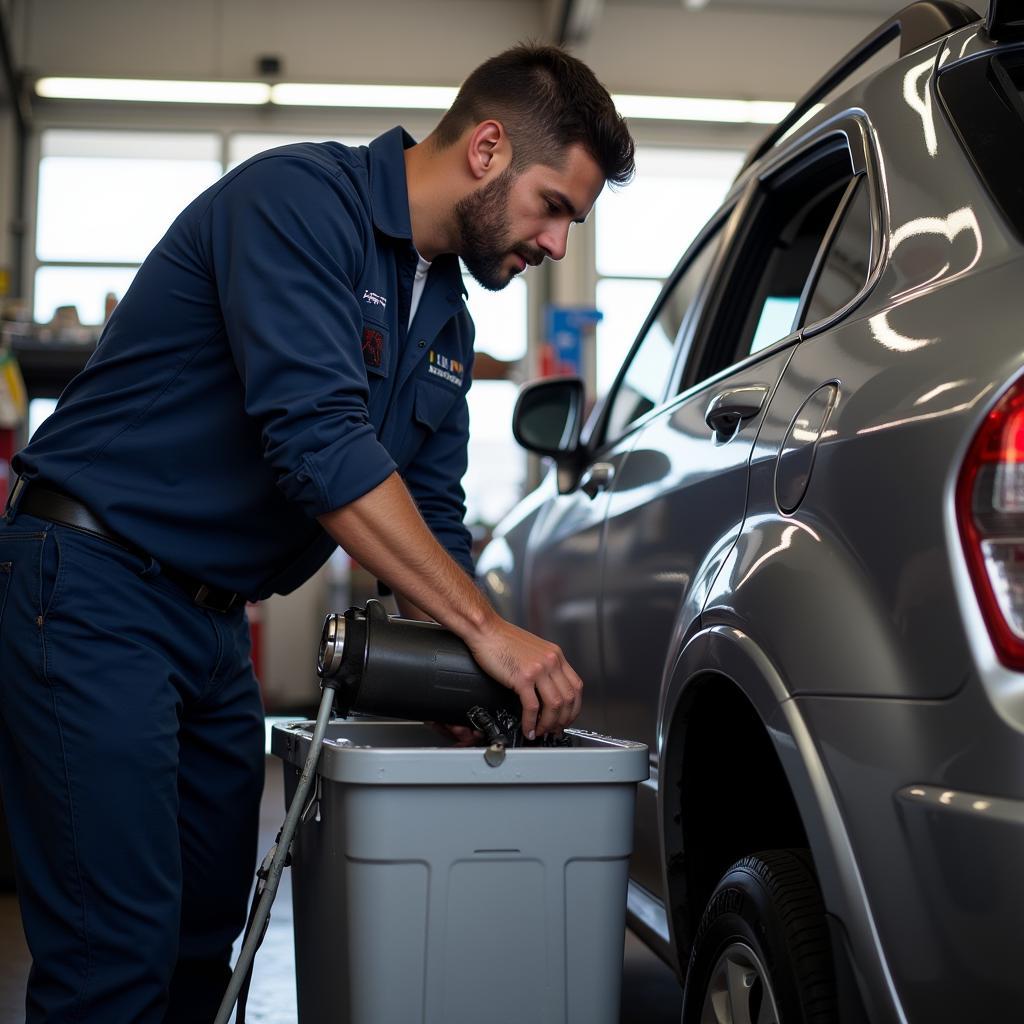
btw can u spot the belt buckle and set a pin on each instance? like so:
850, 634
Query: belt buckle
205, 599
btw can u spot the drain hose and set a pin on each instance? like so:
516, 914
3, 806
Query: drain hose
254, 934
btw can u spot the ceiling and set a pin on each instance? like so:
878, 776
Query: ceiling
881, 8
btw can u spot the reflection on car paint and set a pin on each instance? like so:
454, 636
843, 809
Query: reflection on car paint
921, 102
948, 227
948, 411
885, 335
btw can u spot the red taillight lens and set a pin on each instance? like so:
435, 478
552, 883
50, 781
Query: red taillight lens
990, 511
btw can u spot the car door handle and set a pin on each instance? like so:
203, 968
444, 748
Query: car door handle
728, 410
596, 479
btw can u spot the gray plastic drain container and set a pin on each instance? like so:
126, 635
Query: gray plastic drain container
431, 888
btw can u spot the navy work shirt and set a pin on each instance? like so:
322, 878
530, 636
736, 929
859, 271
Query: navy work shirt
259, 372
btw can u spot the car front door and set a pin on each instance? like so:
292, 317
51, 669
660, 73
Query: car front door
563, 577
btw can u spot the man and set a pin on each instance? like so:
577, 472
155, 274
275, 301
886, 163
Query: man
287, 373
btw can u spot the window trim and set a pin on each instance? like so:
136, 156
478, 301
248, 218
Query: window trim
821, 257
847, 131
852, 124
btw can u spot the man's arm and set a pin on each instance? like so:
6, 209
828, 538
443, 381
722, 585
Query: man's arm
384, 532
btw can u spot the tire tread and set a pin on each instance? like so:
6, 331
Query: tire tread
787, 876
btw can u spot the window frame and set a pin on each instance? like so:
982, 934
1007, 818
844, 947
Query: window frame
32, 262
865, 162
846, 133
845, 206
736, 218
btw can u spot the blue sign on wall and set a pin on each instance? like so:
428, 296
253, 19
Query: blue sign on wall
566, 328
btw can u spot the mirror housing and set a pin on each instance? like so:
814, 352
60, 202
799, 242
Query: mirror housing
548, 417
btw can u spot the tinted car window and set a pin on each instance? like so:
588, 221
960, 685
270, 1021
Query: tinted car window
848, 261
984, 98
758, 298
787, 267
642, 385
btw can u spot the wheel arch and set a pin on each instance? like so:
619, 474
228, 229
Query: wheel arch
720, 674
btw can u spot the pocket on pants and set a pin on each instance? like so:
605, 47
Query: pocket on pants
51, 574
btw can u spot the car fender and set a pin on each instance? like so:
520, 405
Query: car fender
729, 652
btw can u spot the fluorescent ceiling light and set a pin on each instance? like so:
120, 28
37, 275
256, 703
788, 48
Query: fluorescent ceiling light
392, 97
395, 97
687, 108
148, 90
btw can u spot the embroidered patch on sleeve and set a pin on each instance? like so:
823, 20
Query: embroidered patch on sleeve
373, 347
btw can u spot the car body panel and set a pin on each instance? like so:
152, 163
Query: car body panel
649, 573
944, 879
847, 622
733, 655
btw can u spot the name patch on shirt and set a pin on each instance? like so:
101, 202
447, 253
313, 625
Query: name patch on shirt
373, 347
375, 300
446, 368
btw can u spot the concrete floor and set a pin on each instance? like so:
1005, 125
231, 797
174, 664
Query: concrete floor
650, 992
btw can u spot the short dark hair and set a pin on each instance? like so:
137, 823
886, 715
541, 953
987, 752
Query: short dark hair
546, 100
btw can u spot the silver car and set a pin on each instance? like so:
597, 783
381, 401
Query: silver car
787, 552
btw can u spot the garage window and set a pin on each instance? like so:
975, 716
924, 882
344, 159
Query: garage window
642, 231
496, 476
646, 375
105, 198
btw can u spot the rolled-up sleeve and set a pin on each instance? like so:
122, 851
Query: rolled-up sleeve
286, 240
434, 479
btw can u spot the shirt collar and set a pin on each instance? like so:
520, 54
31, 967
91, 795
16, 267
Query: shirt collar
389, 193
389, 198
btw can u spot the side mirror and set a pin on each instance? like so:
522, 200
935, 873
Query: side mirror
549, 416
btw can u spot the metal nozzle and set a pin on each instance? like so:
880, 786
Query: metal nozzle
332, 646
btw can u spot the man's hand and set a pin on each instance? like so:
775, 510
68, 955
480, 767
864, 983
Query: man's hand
383, 531
550, 691
545, 674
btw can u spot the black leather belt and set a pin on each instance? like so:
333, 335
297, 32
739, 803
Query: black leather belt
36, 500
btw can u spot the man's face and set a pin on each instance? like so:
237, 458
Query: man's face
515, 220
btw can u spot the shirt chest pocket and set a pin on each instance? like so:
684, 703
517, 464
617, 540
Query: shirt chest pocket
431, 404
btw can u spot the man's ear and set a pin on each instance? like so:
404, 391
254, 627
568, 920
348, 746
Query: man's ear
488, 149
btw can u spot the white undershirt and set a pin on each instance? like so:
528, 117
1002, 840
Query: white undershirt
422, 269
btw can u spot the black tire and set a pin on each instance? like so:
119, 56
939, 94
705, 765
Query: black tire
764, 927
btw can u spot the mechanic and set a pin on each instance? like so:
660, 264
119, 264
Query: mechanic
288, 372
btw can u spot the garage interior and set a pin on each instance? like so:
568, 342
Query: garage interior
87, 186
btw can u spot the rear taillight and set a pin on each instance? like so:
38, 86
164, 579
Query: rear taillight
990, 511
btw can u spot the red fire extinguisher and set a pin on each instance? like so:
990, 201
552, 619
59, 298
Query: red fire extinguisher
13, 411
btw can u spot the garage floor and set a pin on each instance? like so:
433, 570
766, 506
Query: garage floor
650, 992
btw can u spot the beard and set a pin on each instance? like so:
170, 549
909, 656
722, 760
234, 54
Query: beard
485, 239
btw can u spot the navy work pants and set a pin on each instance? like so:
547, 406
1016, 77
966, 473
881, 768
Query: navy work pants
131, 761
